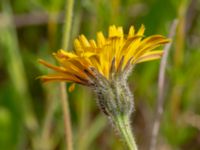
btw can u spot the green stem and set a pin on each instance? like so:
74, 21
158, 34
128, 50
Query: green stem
64, 95
123, 125
68, 23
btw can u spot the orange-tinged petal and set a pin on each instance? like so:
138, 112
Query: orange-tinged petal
71, 87
60, 77
56, 68
76, 68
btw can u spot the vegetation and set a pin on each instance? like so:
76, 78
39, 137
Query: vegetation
31, 115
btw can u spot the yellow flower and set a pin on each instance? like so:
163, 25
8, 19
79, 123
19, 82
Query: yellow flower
107, 56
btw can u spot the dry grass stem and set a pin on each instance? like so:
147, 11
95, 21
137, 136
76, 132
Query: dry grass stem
64, 96
67, 119
161, 82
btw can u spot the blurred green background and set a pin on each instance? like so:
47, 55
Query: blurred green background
30, 112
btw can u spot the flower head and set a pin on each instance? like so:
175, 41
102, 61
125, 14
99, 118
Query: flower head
104, 65
106, 58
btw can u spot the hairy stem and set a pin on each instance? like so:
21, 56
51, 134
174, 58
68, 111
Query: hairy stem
122, 124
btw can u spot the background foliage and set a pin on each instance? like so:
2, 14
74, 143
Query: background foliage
30, 112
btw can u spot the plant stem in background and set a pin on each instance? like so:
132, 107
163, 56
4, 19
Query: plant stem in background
50, 90
160, 100
67, 119
178, 59
88, 136
52, 28
64, 96
67, 24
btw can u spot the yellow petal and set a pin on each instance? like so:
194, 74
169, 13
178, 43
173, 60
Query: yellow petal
141, 30
100, 39
130, 48
93, 44
149, 44
115, 31
61, 54
150, 56
112, 31
131, 32
120, 32
96, 63
84, 41
78, 47
89, 54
